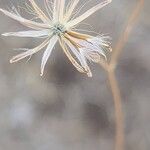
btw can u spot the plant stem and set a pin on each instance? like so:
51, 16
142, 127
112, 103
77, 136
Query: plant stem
111, 67
125, 36
118, 110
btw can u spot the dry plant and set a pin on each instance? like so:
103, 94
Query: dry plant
59, 24
110, 69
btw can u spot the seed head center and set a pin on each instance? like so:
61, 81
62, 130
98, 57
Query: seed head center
58, 29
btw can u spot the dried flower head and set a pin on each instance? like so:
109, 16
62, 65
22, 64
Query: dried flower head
58, 24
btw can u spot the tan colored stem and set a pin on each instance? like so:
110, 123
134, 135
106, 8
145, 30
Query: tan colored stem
110, 68
124, 37
118, 110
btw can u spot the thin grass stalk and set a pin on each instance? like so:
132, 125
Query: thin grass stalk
119, 137
111, 67
124, 37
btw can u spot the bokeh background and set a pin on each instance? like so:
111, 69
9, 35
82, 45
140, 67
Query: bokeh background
65, 110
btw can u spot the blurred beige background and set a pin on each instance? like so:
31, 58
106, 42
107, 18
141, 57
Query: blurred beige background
65, 110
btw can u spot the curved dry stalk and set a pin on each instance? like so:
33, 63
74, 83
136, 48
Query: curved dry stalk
124, 37
118, 110
110, 68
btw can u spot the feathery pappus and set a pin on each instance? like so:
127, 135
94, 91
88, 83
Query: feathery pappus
57, 24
